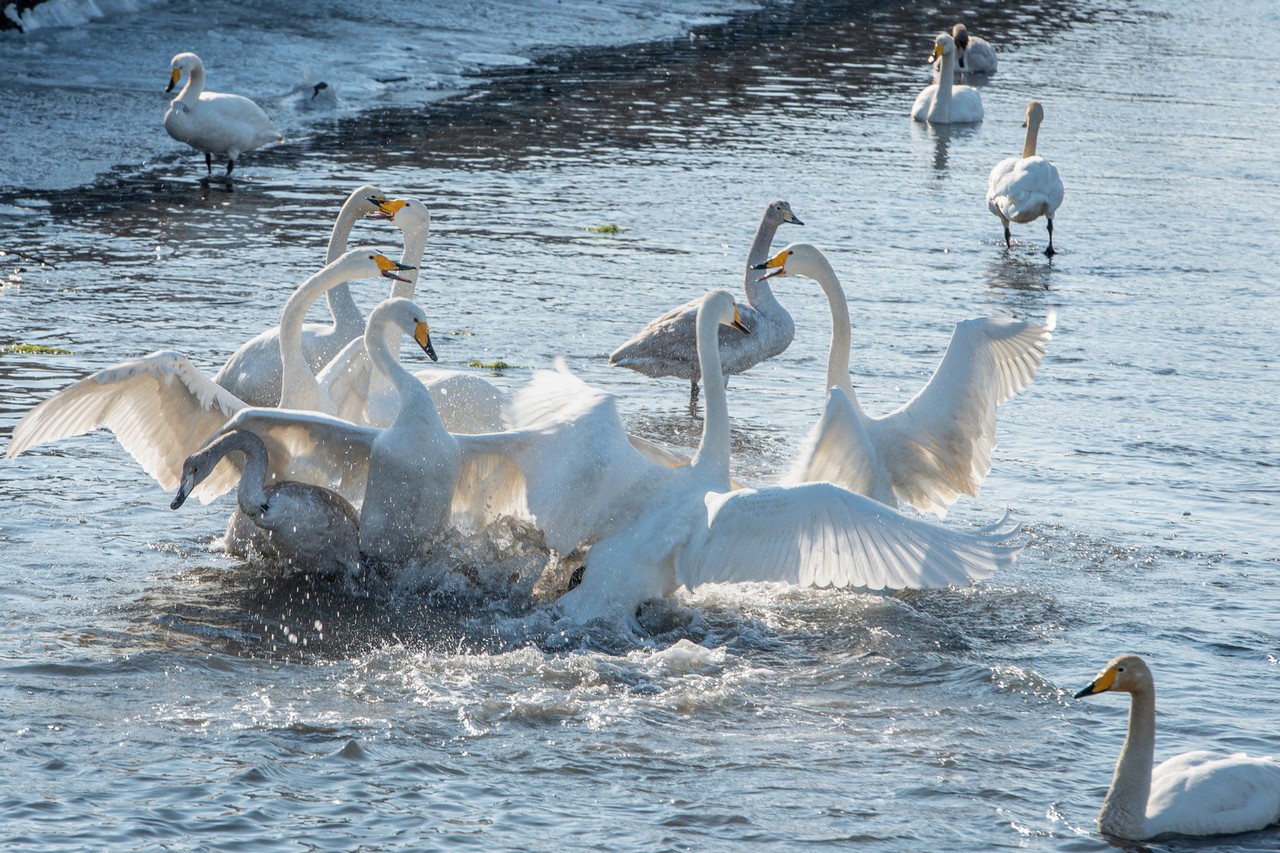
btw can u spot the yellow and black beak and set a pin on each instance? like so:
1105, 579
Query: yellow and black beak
777, 265
1101, 684
387, 208
389, 268
422, 335
737, 322
173, 80
937, 51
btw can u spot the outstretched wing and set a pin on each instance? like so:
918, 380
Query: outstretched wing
939, 444
160, 408
818, 534
839, 450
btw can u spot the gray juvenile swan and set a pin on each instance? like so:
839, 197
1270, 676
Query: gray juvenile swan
668, 345
304, 527
1195, 793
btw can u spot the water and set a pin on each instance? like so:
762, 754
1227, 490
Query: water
157, 695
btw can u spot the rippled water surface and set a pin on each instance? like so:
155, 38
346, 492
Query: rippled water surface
160, 696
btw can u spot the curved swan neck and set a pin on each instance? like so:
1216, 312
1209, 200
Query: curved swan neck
193, 88
759, 292
841, 336
1033, 133
298, 386
251, 493
1124, 810
713, 450
382, 343
341, 304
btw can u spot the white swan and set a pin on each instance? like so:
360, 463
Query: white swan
974, 55
214, 122
466, 402
947, 102
408, 477
651, 527
162, 409
252, 373
1022, 189
666, 346
1195, 793
936, 446
302, 526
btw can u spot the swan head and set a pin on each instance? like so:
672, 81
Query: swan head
183, 63
1126, 674
405, 315
796, 259
1035, 114
359, 263
721, 305
408, 214
197, 467
943, 45
779, 212
960, 36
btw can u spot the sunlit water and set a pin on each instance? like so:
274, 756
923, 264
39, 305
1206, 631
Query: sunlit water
159, 696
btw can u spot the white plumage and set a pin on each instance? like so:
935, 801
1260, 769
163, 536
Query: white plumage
1022, 189
947, 102
938, 445
214, 122
1195, 793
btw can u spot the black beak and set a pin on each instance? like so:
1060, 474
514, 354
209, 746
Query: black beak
1088, 691
179, 499
398, 267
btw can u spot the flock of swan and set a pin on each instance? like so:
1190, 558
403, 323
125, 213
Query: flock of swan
345, 462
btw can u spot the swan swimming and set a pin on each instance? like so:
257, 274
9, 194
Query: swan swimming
947, 102
667, 346
214, 122
938, 445
162, 409
1195, 793
302, 526
253, 371
651, 528
1022, 189
974, 55
465, 402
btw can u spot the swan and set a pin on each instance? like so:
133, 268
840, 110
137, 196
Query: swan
466, 402
666, 346
303, 526
162, 409
409, 477
1195, 793
214, 122
936, 446
974, 55
947, 102
1022, 189
651, 528
252, 373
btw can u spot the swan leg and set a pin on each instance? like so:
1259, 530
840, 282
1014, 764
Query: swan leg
231, 164
1007, 243
693, 395
1050, 252
208, 163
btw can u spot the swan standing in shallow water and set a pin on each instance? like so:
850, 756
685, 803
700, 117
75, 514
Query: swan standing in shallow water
1022, 189
936, 446
162, 409
667, 346
214, 122
652, 528
305, 527
1195, 793
974, 55
947, 102
253, 372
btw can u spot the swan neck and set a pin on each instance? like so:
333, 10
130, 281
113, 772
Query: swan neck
759, 291
415, 246
841, 336
946, 80
1124, 810
713, 450
193, 88
251, 493
1033, 133
341, 304
299, 388
382, 342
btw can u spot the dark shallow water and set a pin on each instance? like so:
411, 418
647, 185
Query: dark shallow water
159, 696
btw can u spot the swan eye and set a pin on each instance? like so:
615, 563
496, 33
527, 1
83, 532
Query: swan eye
1119, 669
